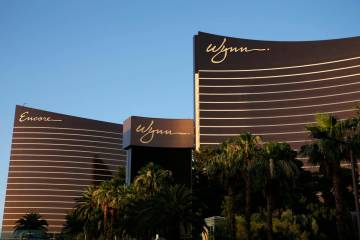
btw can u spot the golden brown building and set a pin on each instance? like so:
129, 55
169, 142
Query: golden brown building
271, 89
53, 158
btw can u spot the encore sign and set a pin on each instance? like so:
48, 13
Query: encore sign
158, 132
28, 117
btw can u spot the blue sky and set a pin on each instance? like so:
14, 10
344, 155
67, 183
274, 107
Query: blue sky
108, 60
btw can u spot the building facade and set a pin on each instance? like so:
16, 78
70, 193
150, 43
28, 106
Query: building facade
271, 89
53, 158
168, 143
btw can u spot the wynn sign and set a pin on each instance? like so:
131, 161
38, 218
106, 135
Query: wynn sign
166, 142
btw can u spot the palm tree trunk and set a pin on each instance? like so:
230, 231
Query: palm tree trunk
231, 210
111, 228
105, 220
269, 206
173, 233
84, 231
339, 205
248, 205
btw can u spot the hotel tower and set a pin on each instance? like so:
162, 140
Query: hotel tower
271, 89
53, 158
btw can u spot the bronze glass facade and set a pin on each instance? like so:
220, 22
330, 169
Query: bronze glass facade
53, 158
271, 89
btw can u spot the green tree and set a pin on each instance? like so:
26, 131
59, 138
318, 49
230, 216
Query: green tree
88, 212
106, 198
170, 213
327, 152
151, 179
98, 205
31, 226
350, 133
124, 208
120, 177
208, 190
73, 227
230, 164
249, 146
286, 226
276, 165
226, 166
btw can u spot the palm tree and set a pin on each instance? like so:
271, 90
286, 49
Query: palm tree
276, 164
32, 226
88, 212
328, 152
151, 179
226, 166
231, 163
110, 196
73, 227
103, 196
348, 139
249, 146
209, 190
169, 213
121, 207
120, 177
351, 142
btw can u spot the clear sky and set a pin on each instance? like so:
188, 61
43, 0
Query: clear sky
108, 60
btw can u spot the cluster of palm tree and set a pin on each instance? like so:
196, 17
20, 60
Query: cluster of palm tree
152, 205
246, 168
242, 159
335, 142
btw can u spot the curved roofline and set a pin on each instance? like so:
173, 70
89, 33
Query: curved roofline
157, 118
279, 41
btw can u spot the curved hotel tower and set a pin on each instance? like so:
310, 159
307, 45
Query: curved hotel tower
271, 89
53, 158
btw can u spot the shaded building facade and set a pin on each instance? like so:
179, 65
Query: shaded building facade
271, 89
167, 143
53, 158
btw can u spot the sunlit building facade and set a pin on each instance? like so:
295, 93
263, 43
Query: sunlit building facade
271, 89
53, 158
